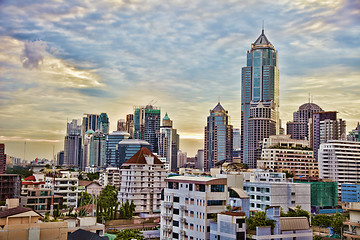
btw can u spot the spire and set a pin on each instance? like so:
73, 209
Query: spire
218, 108
166, 117
262, 41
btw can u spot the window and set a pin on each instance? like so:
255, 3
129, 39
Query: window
176, 211
176, 199
200, 187
217, 188
215, 202
175, 235
175, 223
190, 187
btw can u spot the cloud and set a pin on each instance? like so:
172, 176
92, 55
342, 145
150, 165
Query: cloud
33, 54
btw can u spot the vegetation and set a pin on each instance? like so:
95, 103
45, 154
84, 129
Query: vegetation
93, 176
297, 213
295, 148
288, 174
23, 171
259, 220
317, 238
127, 234
335, 222
85, 199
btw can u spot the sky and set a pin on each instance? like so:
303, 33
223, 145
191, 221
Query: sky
60, 59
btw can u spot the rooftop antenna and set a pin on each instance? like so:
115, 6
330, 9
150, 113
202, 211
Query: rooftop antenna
263, 26
219, 99
309, 98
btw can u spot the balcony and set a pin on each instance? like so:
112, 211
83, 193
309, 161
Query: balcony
166, 216
168, 228
182, 232
182, 207
168, 204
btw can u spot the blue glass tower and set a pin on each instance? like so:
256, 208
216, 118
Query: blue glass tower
260, 92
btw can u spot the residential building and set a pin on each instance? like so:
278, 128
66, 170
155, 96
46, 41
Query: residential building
298, 128
130, 124
103, 123
25, 223
168, 142
350, 192
87, 148
65, 184
339, 160
10, 186
284, 194
199, 159
181, 158
112, 140
97, 151
72, 145
121, 125
110, 176
127, 148
189, 204
325, 126
2, 159
147, 124
79, 224
354, 135
280, 153
259, 98
230, 225
218, 144
90, 187
142, 180
352, 227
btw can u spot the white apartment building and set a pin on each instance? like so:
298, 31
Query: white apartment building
339, 161
65, 184
142, 181
110, 176
189, 204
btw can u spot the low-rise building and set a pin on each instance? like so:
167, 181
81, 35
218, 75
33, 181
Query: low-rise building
230, 225
350, 192
90, 187
110, 176
142, 181
65, 184
352, 225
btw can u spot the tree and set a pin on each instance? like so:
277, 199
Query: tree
129, 234
321, 220
337, 223
288, 174
84, 199
258, 220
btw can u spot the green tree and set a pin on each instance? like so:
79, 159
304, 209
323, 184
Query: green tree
84, 199
317, 238
321, 220
337, 223
258, 220
129, 234
93, 176
108, 196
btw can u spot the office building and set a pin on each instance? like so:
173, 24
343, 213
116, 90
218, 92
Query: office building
112, 140
90, 122
97, 153
280, 153
2, 158
236, 138
298, 128
110, 176
121, 125
65, 184
10, 186
350, 192
87, 149
181, 159
199, 157
218, 144
147, 124
339, 160
130, 124
142, 181
354, 135
103, 123
325, 126
60, 158
168, 142
189, 204
127, 148
72, 145
259, 98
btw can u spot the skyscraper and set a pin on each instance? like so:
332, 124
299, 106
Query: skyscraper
103, 123
2, 158
325, 126
130, 124
218, 138
121, 125
259, 98
147, 124
112, 140
168, 142
90, 122
97, 153
298, 128
72, 145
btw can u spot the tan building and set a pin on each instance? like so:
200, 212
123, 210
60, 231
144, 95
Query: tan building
352, 225
281, 153
90, 187
24, 223
142, 181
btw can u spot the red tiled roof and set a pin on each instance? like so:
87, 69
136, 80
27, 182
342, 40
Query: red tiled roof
34, 183
13, 211
139, 157
84, 183
30, 178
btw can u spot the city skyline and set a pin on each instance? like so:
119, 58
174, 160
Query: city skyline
59, 60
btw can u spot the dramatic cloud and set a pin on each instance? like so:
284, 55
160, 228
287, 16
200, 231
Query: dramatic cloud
33, 54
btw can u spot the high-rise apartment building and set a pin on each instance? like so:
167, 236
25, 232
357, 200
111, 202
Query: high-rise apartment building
121, 125
218, 138
2, 158
72, 145
168, 142
236, 138
10, 186
142, 181
112, 140
339, 161
298, 128
325, 126
199, 159
181, 158
259, 98
354, 135
97, 153
130, 124
147, 124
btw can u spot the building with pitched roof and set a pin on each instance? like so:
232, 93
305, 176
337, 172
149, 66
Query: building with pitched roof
142, 180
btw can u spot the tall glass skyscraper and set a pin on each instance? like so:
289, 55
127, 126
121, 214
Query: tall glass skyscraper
218, 138
259, 98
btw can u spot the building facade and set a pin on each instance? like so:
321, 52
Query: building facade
110, 176
142, 180
350, 192
73, 145
97, 150
147, 124
10, 186
340, 161
218, 144
259, 90
127, 148
112, 140
103, 123
299, 127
